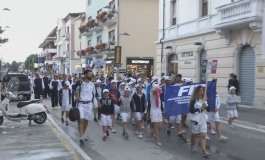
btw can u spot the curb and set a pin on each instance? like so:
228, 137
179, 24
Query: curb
245, 125
69, 139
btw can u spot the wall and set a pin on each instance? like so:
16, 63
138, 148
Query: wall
139, 19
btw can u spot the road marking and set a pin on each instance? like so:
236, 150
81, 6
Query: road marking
68, 148
246, 127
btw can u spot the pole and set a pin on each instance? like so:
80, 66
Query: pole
118, 36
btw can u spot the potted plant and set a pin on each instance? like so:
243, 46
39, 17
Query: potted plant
89, 49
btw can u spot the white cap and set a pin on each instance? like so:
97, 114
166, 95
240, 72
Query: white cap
98, 81
105, 90
113, 81
153, 79
132, 81
231, 88
167, 78
138, 85
122, 83
67, 83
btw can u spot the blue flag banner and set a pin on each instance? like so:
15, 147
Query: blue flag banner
177, 98
211, 94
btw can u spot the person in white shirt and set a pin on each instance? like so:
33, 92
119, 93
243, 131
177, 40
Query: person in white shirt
84, 96
65, 97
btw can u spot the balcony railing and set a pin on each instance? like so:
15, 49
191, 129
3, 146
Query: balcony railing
239, 14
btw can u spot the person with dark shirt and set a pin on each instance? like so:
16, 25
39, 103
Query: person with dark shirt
106, 111
108, 84
54, 87
115, 96
46, 81
233, 82
38, 86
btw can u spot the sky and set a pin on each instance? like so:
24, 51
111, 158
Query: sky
30, 22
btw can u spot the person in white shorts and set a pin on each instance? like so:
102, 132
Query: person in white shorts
106, 110
156, 113
231, 102
125, 109
84, 96
198, 119
213, 116
65, 98
138, 106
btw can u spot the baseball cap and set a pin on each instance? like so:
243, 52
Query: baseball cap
167, 78
153, 79
113, 81
98, 81
67, 83
132, 81
231, 88
105, 90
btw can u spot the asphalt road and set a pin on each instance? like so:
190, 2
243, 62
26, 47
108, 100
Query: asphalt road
243, 144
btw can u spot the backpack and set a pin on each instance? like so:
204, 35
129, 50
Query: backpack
74, 114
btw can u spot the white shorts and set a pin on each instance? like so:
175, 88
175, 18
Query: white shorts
116, 108
174, 119
139, 116
65, 108
232, 114
125, 116
156, 116
106, 120
95, 103
200, 128
213, 117
85, 111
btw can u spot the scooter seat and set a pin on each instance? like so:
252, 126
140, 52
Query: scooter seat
24, 103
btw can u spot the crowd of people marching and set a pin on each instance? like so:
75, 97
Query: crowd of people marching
134, 100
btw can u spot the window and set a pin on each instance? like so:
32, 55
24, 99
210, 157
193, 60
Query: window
68, 30
112, 4
204, 8
112, 36
89, 43
99, 39
88, 2
173, 13
68, 47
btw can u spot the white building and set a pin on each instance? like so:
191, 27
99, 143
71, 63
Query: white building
230, 31
66, 58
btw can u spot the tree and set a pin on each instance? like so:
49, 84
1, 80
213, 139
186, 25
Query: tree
31, 59
14, 66
2, 40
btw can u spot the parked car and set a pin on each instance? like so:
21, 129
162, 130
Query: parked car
20, 84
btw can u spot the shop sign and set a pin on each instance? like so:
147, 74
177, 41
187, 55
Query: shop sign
186, 54
117, 60
99, 63
108, 62
211, 66
140, 61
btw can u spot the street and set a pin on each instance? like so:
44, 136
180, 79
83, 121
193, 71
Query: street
19, 141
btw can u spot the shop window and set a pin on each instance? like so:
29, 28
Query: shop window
203, 66
173, 64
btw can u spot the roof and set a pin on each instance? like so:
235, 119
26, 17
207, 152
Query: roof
73, 15
50, 38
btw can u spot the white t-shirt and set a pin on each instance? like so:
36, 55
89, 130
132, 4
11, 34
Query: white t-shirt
87, 90
65, 98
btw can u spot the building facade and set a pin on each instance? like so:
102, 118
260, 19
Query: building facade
227, 31
66, 59
131, 24
49, 51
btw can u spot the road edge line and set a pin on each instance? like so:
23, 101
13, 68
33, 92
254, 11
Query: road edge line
69, 139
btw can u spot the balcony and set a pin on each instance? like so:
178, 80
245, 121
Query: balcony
108, 18
240, 14
196, 27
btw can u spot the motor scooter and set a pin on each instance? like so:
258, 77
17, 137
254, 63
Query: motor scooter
29, 110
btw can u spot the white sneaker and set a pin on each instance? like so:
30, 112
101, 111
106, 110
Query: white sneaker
113, 130
223, 138
213, 132
207, 137
140, 136
172, 127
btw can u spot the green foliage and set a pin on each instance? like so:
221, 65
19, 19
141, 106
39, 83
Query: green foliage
14, 66
31, 59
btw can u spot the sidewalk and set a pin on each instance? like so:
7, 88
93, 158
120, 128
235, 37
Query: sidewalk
250, 117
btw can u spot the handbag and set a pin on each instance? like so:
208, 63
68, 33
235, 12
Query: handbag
74, 114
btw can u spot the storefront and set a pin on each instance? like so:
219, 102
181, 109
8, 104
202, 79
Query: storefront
140, 65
